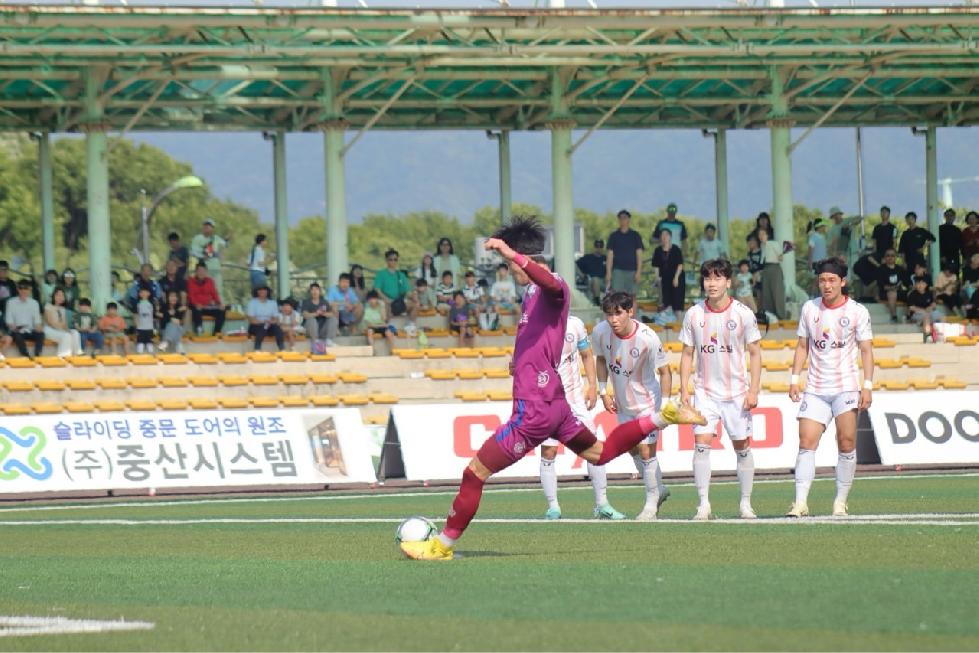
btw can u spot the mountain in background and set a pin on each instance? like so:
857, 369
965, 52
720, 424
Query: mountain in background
456, 172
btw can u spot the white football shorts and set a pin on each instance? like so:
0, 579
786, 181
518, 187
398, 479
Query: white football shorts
736, 420
823, 408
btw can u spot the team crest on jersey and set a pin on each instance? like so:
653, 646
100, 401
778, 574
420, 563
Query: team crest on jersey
542, 379
519, 447
531, 290
844, 321
634, 352
569, 337
732, 325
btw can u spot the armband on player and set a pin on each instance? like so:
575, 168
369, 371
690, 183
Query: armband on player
794, 379
868, 384
602, 388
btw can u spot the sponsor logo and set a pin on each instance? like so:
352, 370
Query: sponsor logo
615, 367
803, 407
20, 454
934, 426
849, 402
542, 379
713, 338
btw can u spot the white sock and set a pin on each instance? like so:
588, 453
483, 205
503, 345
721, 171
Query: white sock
746, 474
637, 461
548, 481
599, 482
805, 472
701, 471
650, 467
659, 479
846, 467
446, 540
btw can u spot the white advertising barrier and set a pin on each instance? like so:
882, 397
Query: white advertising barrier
930, 427
438, 440
103, 451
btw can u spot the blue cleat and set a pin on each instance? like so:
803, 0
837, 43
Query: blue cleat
607, 512
552, 513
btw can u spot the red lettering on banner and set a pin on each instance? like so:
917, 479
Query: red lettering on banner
687, 440
773, 429
462, 432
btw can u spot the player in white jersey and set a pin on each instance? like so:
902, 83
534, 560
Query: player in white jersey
632, 355
717, 332
582, 398
832, 330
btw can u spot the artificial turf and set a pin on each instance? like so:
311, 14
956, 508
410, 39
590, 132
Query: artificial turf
212, 585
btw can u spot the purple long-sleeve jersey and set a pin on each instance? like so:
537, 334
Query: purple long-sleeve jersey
540, 336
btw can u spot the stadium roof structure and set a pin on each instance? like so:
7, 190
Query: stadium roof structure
258, 68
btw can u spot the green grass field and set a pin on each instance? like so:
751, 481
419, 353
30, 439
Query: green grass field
322, 572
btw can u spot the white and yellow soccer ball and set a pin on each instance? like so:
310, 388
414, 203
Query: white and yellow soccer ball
415, 529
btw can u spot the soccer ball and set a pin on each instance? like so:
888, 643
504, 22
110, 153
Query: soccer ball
414, 529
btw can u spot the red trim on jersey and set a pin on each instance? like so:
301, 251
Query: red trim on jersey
730, 301
833, 308
632, 335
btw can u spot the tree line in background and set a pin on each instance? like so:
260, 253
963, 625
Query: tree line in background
135, 167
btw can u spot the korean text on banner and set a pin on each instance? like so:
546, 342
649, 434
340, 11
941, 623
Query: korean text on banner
50, 453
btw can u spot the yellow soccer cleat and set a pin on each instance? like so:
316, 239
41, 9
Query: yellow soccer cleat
430, 549
682, 414
798, 510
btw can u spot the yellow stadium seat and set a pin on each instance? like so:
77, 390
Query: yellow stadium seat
142, 382
323, 379
289, 401
915, 362
173, 359
489, 333
112, 383
464, 352
78, 407
492, 352
924, 384
51, 361
496, 373
464, 395
963, 341
323, 401
258, 379
109, 406
441, 375
382, 398
880, 342
203, 403
18, 386
231, 380
500, 395
510, 330
141, 404
436, 352
173, 381
777, 366
50, 385
82, 361
437, 333
112, 360
354, 400
203, 381
469, 375
894, 384
674, 347
172, 404
142, 359
953, 384
293, 356
351, 377
15, 409
775, 386
788, 325
233, 402
508, 349
790, 343
47, 408
231, 358
203, 359
293, 379
771, 345
888, 363
265, 402
376, 420
261, 357
409, 354
322, 358
20, 363
235, 337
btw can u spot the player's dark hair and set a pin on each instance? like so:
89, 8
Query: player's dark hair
612, 302
716, 267
832, 265
111, 305
523, 234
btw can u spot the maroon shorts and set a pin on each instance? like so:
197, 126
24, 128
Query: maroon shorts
532, 422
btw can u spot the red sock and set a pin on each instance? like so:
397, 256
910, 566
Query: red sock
465, 505
624, 437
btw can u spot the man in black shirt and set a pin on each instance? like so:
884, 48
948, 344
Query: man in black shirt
623, 263
678, 230
179, 254
884, 234
950, 242
593, 267
913, 241
921, 307
892, 280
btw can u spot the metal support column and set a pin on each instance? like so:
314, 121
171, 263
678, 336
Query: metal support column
720, 181
336, 201
281, 213
506, 186
560, 125
97, 172
46, 177
782, 197
931, 197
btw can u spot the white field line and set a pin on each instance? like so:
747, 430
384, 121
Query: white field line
927, 519
21, 626
400, 495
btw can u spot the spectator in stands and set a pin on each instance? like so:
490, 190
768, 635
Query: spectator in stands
913, 241
144, 318
376, 320
8, 288
764, 223
865, 270
57, 328
143, 277
445, 259
208, 248
623, 261
51, 281
593, 267
884, 235
349, 308
424, 296
358, 282
840, 235
392, 287
503, 291
678, 230
922, 309
709, 247
444, 292
920, 271
489, 318
817, 242
257, 270
173, 317
970, 283
119, 291
668, 259
892, 282
426, 270
472, 291
744, 286
178, 254
320, 320
947, 289
113, 328
970, 236
461, 319
172, 281
204, 300
87, 326
69, 282
772, 278
950, 241
290, 320
22, 315
755, 265
263, 318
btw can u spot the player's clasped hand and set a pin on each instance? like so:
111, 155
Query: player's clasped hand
496, 244
794, 393
609, 402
